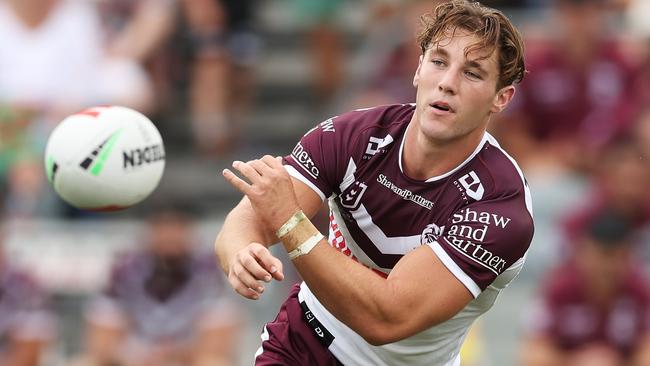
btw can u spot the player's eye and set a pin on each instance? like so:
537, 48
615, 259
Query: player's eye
473, 75
437, 62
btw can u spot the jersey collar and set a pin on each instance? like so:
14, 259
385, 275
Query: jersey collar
486, 137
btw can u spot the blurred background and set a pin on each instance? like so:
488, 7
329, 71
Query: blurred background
236, 79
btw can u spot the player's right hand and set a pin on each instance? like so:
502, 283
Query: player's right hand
250, 267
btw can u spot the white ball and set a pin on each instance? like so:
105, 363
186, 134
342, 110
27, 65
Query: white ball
105, 158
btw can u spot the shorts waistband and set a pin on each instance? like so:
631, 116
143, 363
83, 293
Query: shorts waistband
322, 334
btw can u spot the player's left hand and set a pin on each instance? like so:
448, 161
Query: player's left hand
270, 189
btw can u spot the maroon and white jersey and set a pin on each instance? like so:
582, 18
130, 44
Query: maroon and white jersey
566, 316
477, 218
163, 302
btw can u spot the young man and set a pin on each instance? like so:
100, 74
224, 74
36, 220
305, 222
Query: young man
430, 219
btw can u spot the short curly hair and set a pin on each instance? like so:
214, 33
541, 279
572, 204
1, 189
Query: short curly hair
492, 27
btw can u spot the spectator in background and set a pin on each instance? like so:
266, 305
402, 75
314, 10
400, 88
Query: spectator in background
325, 43
620, 181
200, 54
165, 305
223, 48
594, 309
52, 63
137, 29
390, 53
579, 94
27, 325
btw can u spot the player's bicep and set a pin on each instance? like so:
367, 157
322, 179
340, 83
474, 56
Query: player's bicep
428, 292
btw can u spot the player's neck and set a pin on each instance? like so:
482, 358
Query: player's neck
423, 158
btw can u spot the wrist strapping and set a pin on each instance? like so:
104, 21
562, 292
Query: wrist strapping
290, 224
306, 246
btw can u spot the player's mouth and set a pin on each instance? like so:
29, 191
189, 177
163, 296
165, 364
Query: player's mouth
442, 107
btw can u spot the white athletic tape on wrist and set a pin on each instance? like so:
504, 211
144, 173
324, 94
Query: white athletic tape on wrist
290, 224
306, 247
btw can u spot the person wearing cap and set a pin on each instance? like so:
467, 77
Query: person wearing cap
595, 308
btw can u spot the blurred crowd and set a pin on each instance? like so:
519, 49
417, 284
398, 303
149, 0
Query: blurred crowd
579, 126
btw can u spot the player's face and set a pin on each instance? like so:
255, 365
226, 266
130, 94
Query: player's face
456, 92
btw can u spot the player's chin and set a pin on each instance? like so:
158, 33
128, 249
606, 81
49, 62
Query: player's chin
438, 130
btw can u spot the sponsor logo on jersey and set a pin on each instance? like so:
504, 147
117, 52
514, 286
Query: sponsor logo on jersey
302, 157
469, 215
351, 197
431, 233
470, 185
468, 232
404, 193
377, 145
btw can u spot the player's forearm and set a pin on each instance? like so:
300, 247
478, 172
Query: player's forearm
354, 294
240, 228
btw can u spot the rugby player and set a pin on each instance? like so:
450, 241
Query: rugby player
430, 217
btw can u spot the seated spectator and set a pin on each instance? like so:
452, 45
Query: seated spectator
389, 52
222, 51
594, 309
619, 181
164, 305
326, 48
27, 325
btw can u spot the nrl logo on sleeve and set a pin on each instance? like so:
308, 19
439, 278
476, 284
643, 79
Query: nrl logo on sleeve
351, 197
471, 186
376, 144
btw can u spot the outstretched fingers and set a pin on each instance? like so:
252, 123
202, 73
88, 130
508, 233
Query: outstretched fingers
236, 182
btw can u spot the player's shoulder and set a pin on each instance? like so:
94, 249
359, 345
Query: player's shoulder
379, 117
501, 169
352, 131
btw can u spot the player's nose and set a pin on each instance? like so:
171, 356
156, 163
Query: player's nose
448, 82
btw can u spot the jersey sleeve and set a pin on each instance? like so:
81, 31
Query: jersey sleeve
319, 158
484, 239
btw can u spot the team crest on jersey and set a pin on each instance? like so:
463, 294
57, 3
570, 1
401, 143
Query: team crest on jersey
470, 186
351, 197
431, 233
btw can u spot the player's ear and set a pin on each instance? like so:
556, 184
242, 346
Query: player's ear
416, 77
502, 98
